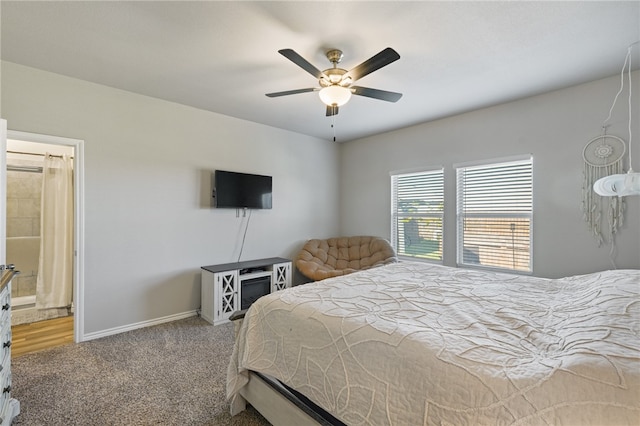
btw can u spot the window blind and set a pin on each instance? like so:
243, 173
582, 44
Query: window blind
494, 215
416, 214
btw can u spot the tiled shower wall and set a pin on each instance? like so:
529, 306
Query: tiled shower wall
23, 218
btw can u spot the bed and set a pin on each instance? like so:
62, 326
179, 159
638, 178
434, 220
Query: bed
413, 343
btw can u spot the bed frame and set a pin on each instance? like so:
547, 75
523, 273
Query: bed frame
278, 403
281, 405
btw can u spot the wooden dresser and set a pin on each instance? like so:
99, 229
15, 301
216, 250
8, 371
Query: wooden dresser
9, 407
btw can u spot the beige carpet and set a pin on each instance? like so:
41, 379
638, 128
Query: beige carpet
170, 374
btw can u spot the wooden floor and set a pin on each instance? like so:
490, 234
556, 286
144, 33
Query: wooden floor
27, 338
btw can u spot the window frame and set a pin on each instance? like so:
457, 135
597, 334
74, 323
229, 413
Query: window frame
524, 160
396, 217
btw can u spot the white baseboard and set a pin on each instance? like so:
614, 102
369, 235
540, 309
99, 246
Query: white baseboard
135, 326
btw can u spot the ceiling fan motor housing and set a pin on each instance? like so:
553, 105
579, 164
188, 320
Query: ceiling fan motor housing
334, 77
334, 74
334, 56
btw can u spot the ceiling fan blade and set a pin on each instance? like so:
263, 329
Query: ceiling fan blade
383, 95
290, 92
372, 64
332, 110
302, 63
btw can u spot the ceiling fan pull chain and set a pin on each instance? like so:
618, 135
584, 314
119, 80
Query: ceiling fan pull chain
333, 126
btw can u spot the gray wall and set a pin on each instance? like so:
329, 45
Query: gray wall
148, 164
149, 227
554, 127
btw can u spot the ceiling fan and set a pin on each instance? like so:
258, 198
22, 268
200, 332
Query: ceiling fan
335, 83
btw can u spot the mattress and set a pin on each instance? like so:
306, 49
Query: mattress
415, 343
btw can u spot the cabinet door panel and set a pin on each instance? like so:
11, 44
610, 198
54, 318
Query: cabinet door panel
227, 295
281, 276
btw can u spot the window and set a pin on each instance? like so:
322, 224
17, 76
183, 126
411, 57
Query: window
494, 213
416, 214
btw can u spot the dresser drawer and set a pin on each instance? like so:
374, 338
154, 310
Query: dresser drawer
6, 411
5, 345
5, 305
9, 407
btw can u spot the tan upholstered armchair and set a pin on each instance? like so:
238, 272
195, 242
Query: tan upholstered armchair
331, 257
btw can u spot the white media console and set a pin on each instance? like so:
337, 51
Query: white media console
230, 287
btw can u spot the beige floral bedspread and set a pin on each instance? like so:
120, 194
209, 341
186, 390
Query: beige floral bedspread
413, 343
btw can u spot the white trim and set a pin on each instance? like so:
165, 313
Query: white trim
78, 306
418, 259
493, 269
3, 190
503, 160
39, 138
415, 170
78, 195
137, 325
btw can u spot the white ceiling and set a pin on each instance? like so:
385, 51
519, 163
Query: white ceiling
223, 56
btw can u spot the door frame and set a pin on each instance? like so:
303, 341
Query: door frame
78, 220
3, 190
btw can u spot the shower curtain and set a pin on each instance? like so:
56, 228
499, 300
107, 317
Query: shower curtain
54, 285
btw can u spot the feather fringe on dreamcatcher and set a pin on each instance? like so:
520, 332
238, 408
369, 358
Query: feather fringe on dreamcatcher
602, 157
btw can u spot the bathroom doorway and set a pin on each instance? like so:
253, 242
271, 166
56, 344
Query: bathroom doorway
43, 232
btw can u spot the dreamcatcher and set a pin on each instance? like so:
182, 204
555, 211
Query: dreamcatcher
603, 156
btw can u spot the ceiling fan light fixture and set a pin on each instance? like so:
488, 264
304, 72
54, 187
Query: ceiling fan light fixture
346, 81
335, 95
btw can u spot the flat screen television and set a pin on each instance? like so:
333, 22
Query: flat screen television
235, 190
